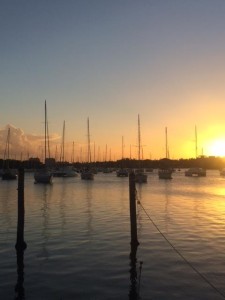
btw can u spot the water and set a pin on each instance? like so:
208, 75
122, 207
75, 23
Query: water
78, 239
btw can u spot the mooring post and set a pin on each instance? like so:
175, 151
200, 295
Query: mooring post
133, 217
20, 243
133, 291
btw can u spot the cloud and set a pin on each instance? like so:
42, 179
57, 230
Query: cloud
21, 143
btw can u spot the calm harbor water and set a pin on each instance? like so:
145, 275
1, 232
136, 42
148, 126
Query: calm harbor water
78, 239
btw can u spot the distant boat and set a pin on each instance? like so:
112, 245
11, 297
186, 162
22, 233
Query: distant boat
107, 170
195, 172
44, 175
150, 170
87, 173
69, 171
7, 173
140, 175
122, 172
165, 172
64, 170
59, 171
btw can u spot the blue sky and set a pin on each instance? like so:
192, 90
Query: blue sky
113, 60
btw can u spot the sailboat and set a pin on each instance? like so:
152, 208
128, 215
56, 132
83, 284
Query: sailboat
165, 172
63, 169
7, 173
44, 175
87, 173
122, 172
140, 176
196, 171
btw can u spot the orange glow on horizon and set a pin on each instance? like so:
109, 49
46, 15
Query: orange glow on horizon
215, 147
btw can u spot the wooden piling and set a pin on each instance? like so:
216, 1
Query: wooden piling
19, 288
133, 291
133, 217
20, 243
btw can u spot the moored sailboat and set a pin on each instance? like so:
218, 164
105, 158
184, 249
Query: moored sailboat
63, 169
165, 172
44, 175
195, 172
140, 175
86, 173
7, 172
122, 172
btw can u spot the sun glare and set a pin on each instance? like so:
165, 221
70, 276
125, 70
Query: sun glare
216, 148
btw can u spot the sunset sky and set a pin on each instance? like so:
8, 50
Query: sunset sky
110, 61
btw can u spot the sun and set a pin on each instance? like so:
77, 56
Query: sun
216, 148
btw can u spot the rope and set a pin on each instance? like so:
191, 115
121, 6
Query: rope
178, 252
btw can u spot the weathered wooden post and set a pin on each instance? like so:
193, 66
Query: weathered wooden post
133, 293
20, 243
133, 217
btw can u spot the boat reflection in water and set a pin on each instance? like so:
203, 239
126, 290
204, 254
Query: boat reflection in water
79, 232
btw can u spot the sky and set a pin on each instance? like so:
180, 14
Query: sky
111, 61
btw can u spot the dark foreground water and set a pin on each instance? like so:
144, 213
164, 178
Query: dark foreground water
78, 239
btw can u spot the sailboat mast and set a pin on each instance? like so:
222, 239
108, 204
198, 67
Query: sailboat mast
166, 143
72, 158
106, 154
6, 154
139, 139
56, 153
89, 142
8, 144
48, 137
196, 142
45, 131
63, 142
94, 153
122, 147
